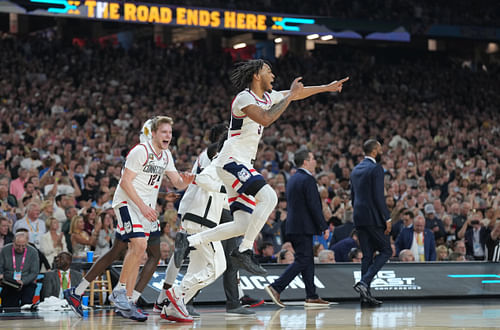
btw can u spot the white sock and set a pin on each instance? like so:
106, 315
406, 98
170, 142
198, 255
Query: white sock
80, 289
162, 296
135, 296
120, 286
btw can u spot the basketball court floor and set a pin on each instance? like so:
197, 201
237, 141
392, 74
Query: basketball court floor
417, 314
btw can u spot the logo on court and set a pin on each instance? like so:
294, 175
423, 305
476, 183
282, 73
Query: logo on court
386, 280
244, 175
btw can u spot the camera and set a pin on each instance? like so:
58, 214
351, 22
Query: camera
474, 222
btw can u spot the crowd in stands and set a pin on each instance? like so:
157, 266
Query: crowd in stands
69, 115
414, 13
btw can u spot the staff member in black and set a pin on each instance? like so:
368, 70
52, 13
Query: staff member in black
371, 217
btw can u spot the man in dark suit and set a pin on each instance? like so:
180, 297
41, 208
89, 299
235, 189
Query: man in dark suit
418, 239
371, 217
304, 219
60, 279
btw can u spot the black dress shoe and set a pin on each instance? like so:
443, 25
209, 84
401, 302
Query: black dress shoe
246, 261
181, 248
372, 302
362, 290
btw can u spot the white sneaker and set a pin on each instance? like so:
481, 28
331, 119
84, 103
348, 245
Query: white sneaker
172, 314
177, 301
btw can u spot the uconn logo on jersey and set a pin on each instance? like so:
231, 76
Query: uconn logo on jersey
153, 169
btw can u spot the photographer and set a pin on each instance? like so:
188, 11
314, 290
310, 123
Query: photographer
475, 235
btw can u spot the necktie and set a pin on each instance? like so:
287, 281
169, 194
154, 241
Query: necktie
420, 242
64, 281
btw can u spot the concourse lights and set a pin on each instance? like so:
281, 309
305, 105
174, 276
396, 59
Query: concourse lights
313, 36
327, 37
240, 45
278, 40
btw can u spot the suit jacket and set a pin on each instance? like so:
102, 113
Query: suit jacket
342, 249
305, 214
405, 240
52, 285
469, 239
367, 194
341, 232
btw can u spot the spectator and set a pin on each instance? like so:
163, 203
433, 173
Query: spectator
46, 210
271, 231
442, 253
6, 235
32, 223
434, 224
165, 253
456, 256
53, 242
89, 219
493, 242
70, 212
326, 257
61, 278
317, 248
19, 265
17, 185
80, 240
475, 236
106, 235
418, 239
355, 255
62, 202
405, 222
285, 257
460, 249
406, 256
344, 230
266, 253
5, 196
344, 247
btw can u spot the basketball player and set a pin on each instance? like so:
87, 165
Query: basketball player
134, 203
251, 199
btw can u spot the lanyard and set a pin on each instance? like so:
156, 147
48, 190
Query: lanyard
60, 278
14, 259
29, 224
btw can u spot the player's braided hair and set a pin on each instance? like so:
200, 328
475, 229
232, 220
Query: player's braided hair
242, 74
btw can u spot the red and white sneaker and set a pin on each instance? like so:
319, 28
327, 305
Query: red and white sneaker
177, 301
171, 313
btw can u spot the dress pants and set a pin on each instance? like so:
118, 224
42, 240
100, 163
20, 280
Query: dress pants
303, 264
16, 298
373, 239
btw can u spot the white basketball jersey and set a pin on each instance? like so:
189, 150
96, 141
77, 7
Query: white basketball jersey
244, 133
150, 168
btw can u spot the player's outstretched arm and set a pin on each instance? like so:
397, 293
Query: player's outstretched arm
267, 117
334, 86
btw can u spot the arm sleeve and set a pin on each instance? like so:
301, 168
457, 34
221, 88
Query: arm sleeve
136, 158
378, 185
276, 96
313, 201
241, 101
209, 180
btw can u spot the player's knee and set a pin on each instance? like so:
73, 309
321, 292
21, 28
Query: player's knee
138, 246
